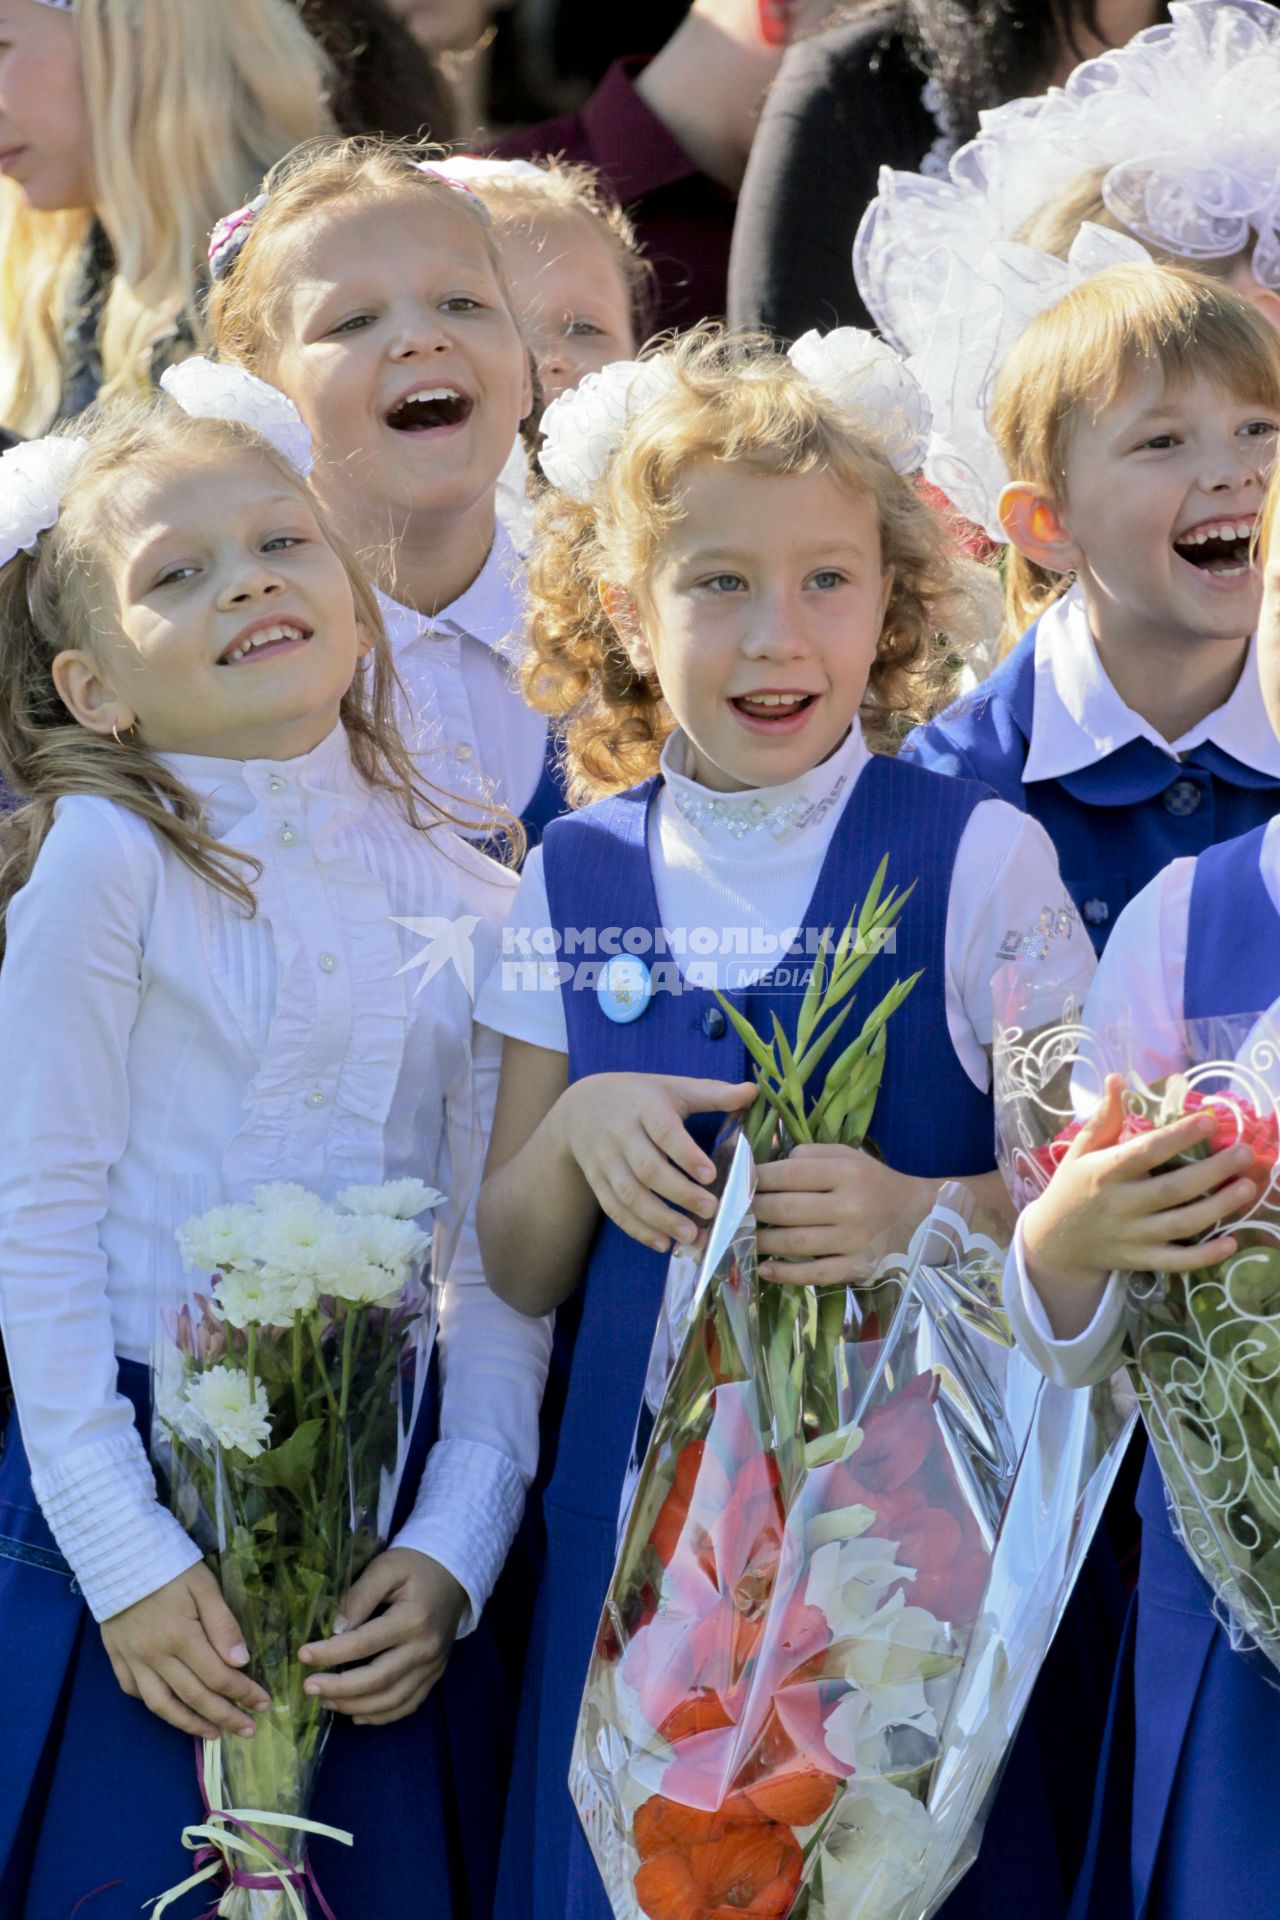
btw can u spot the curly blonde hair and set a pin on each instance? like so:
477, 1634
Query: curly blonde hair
1076, 358
59, 597
734, 398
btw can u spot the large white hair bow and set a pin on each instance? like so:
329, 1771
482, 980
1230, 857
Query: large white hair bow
35, 476
583, 429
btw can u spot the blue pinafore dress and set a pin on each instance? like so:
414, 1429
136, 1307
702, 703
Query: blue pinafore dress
1185, 1824
930, 1120
1114, 824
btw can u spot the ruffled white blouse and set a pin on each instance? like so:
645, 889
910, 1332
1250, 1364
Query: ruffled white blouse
162, 1051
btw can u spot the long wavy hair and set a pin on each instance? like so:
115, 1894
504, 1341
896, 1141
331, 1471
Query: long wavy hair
56, 599
1081, 352
189, 101
735, 398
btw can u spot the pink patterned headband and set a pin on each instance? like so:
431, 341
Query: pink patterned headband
232, 230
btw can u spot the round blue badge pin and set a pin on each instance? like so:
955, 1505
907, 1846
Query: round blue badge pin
624, 988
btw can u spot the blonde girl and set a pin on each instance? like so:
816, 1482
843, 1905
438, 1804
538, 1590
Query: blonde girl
208, 904
126, 128
732, 568
370, 289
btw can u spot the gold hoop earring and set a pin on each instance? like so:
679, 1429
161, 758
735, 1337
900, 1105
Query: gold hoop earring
115, 732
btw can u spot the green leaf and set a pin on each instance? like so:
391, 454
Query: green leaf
749, 1037
289, 1465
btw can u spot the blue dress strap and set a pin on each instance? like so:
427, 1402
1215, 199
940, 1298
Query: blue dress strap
1233, 939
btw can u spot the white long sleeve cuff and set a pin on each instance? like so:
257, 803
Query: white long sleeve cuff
119, 1542
1092, 1356
466, 1516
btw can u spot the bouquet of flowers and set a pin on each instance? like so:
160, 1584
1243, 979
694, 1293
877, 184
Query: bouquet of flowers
858, 1517
284, 1395
1202, 1348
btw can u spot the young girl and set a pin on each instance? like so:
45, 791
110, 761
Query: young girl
1184, 1810
370, 289
1134, 424
581, 285
126, 127
210, 902
731, 567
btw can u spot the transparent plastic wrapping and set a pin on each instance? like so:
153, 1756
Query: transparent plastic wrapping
858, 1519
1203, 1348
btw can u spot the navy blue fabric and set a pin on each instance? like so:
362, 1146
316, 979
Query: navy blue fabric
95, 1790
1194, 1730
930, 1120
1116, 823
549, 798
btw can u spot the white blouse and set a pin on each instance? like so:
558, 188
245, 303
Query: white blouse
163, 1052
463, 715
734, 873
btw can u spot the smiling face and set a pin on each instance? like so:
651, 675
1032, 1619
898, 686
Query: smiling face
228, 626
44, 122
402, 356
568, 283
1161, 494
761, 617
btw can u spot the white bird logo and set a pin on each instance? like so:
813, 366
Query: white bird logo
448, 942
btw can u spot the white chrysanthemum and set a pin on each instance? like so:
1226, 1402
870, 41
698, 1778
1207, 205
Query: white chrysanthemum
870, 1863
382, 1253
287, 1193
305, 1250
218, 1240
868, 379
222, 1407
397, 1199
583, 428
33, 479
216, 390
260, 1297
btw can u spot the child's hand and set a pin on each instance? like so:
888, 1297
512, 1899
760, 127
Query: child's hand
403, 1650
823, 1207
626, 1131
178, 1652
1108, 1207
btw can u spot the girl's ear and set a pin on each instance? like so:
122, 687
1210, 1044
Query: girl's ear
1267, 302
624, 617
86, 695
365, 642
1034, 524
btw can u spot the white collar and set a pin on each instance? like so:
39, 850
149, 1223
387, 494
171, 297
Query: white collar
490, 609
777, 814
1078, 717
231, 790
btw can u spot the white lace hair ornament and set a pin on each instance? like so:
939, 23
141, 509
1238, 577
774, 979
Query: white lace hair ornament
1183, 122
583, 428
35, 476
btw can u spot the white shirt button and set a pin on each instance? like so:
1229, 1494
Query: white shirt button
276, 784
287, 836
328, 962
315, 1099
462, 753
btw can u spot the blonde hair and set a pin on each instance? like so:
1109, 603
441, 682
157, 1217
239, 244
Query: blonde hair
245, 304
1054, 226
735, 398
56, 599
188, 102
1076, 358
571, 190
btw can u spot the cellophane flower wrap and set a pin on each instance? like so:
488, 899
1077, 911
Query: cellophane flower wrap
1202, 1349
843, 1553
284, 1396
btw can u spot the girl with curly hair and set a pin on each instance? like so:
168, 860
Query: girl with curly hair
734, 583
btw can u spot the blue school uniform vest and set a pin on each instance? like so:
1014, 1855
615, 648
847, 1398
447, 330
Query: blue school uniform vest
95, 1790
1116, 823
549, 797
930, 1120
1185, 1824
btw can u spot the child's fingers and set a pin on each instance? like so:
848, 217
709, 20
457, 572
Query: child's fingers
648, 1161
357, 1643
711, 1096
1149, 1150
224, 1683
663, 1125
803, 1243
223, 1632
361, 1684
791, 1209
203, 1701
1105, 1124
1175, 1259
1198, 1216
1199, 1177
641, 1214
165, 1704
835, 1270
801, 1175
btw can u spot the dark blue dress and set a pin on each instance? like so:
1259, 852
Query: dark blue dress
1185, 1824
1114, 824
95, 1790
930, 1120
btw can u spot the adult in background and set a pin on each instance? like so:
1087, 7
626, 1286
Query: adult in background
670, 134
896, 83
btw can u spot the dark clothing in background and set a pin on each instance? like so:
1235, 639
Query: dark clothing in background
845, 103
684, 220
